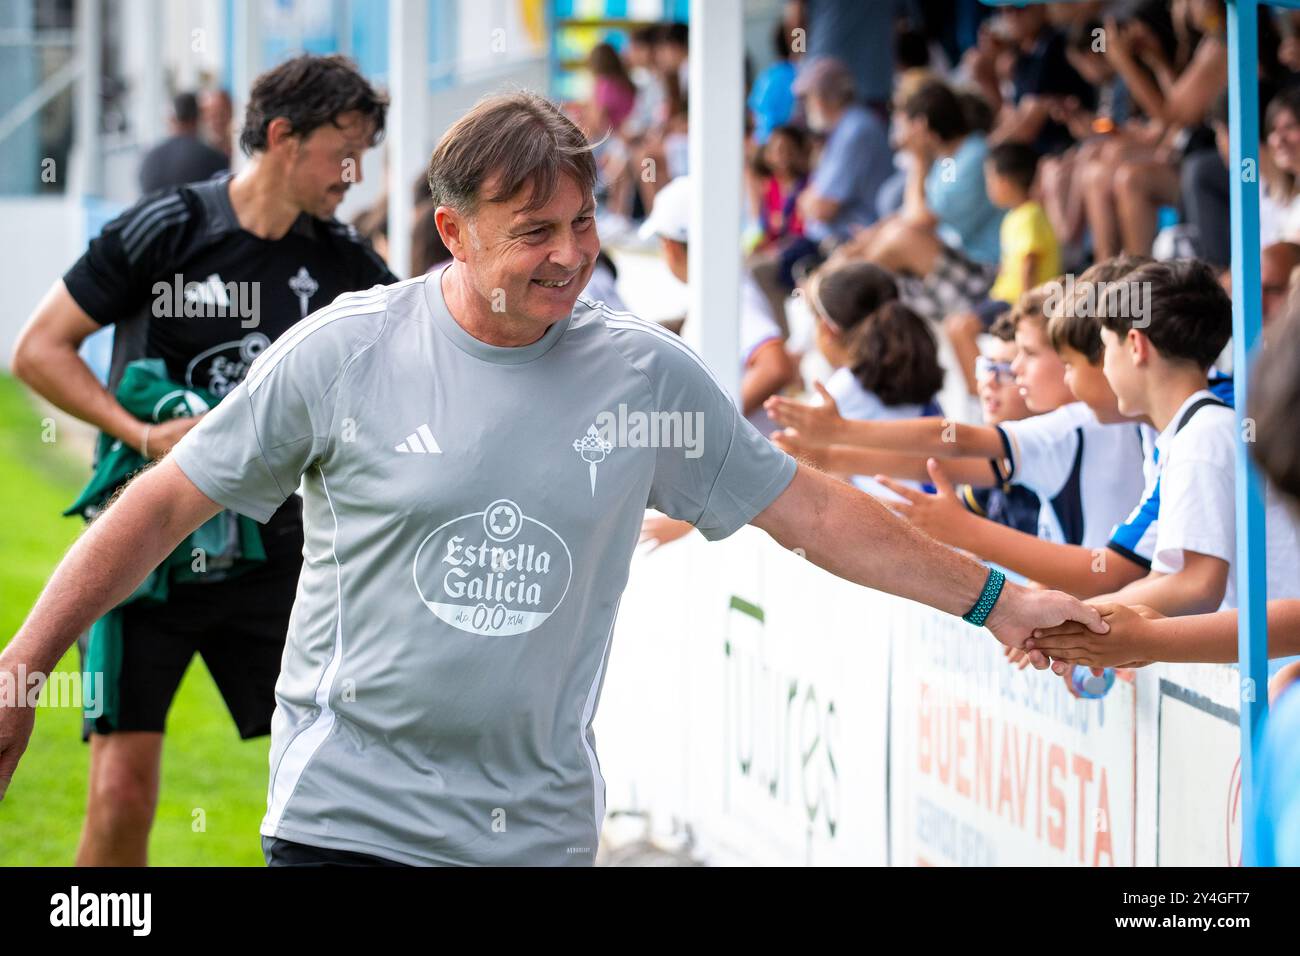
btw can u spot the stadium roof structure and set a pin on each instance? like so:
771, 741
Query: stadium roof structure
1252, 586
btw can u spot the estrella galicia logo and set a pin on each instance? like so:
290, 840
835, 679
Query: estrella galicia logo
493, 572
222, 367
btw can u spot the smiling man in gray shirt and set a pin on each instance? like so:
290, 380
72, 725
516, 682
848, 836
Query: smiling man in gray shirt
476, 449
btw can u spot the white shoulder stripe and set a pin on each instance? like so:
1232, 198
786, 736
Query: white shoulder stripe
404, 282
367, 304
602, 306
347, 299
650, 328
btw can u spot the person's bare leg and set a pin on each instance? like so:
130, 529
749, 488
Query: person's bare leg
900, 246
855, 248
963, 329
765, 267
619, 199
651, 173
1072, 192
1099, 205
1054, 176
122, 798
1141, 188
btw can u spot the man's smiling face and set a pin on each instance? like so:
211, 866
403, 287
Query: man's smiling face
531, 264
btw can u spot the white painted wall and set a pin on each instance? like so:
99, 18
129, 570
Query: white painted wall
40, 238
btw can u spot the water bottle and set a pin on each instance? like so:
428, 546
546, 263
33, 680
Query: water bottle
1088, 685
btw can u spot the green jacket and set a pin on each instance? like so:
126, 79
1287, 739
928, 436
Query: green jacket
223, 547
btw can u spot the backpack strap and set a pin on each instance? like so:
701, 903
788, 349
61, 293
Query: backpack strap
1196, 407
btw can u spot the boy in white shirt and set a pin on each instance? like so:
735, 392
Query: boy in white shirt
1157, 366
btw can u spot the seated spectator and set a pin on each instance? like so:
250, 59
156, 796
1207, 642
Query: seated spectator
1062, 184
1278, 278
1277, 265
766, 365
844, 30
884, 357
613, 96
772, 101
944, 242
889, 198
650, 124
1124, 197
648, 108
1028, 247
1282, 140
1206, 187
840, 196
182, 157
672, 60
783, 174
1041, 76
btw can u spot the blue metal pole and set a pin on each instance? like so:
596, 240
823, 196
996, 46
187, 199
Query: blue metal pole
1252, 583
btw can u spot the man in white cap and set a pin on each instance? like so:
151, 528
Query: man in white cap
840, 197
766, 367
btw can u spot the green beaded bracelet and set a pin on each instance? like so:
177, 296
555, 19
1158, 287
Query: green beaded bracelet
988, 597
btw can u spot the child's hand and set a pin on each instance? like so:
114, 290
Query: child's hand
661, 530
1019, 658
794, 445
818, 424
1071, 643
940, 515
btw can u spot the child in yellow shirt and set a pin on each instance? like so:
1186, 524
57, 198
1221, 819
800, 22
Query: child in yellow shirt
1029, 257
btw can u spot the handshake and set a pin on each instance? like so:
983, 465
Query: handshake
1132, 640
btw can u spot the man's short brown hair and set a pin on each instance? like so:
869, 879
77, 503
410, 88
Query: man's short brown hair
310, 91
521, 139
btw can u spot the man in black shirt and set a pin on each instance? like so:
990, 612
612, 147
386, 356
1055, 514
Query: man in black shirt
182, 157
205, 276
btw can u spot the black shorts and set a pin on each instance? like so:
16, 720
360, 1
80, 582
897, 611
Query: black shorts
284, 853
237, 626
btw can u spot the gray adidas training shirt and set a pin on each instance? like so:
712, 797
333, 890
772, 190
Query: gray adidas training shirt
470, 514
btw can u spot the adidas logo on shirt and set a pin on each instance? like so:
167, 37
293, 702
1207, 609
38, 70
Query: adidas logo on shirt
420, 441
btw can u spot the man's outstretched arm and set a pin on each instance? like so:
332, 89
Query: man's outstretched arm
119, 549
856, 538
